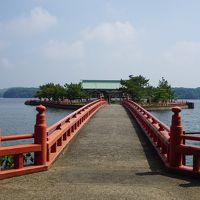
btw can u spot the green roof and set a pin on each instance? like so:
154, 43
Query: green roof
101, 84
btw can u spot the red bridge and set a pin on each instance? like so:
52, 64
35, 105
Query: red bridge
170, 143
48, 141
114, 139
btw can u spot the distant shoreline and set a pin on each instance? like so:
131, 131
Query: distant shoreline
29, 92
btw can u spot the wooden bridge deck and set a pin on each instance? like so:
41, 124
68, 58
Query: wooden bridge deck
105, 161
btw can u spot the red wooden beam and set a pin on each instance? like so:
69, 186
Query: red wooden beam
16, 137
18, 149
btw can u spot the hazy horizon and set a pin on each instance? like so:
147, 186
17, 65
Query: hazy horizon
77, 82
45, 41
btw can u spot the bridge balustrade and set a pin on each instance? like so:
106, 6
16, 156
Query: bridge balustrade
63, 131
170, 143
48, 141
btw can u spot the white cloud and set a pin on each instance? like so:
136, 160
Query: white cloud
61, 51
113, 45
118, 40
108, 48
37, 21
111, 32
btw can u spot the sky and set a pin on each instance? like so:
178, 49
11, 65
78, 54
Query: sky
65, 41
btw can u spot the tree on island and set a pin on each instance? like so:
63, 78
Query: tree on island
150, 93
136, 87
164, 92
139, 90
51, 91
57, 92
75, 91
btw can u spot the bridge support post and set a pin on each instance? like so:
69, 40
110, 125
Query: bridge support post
176, 131
40, 136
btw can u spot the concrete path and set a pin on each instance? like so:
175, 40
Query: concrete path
105, 161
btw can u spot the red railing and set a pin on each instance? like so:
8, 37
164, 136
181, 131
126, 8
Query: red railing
63, 131
48, 142
170, 143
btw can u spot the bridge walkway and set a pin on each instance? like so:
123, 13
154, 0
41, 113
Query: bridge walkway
105, 161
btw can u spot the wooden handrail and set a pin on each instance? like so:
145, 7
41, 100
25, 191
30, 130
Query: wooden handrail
152, 116
18, 149
191, 137
17, 137
48, 142
168, 142
68, 117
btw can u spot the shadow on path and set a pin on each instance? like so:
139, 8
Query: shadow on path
156, 165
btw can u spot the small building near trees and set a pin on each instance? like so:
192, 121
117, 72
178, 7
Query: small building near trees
109, 89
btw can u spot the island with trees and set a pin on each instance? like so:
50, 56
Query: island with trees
139, 90
25, 92
136, 88
70, 96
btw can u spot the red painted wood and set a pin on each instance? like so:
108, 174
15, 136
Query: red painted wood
167, 142
40, 136
176, 131
18, 149
16, 137
191, 137
46, 149
22, 171
19, 161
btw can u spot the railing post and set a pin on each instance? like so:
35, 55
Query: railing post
196, 163
40, 136
176, 131
19, 161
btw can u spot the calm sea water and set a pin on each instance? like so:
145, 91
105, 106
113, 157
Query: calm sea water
190, 117
18, 118
190, 121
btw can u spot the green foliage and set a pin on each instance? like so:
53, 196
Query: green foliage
57, 92
20, 92
150, 93
136, 87
164, 92
51, 91
75, 91
6, 162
